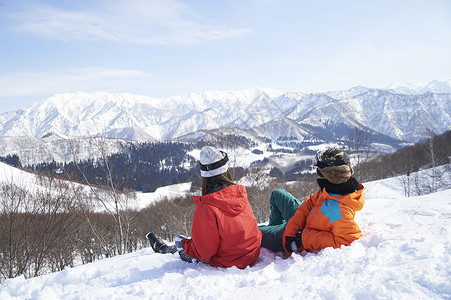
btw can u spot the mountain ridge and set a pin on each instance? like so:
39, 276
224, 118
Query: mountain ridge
142, 118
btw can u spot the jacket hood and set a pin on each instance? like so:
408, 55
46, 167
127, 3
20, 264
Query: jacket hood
354, 200
231, 199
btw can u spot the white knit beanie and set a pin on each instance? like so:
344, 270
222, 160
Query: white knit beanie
212, 162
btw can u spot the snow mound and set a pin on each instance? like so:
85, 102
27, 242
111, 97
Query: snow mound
169, 192
404, 253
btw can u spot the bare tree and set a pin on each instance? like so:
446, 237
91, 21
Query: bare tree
433, 154
167, 217
15, 227
406, 181
358, 143
58, 217
37, 225
113, 200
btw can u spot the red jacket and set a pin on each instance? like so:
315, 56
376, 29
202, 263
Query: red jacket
224, 231
326, 220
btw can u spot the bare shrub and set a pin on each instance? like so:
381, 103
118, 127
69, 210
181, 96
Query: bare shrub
259, 195
116, 200
168, 218
37, 226
15, 227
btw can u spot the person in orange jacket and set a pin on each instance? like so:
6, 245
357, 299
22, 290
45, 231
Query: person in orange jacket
224, 232
325, 218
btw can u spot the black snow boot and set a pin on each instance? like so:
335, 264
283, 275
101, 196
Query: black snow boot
158, 246
185, 256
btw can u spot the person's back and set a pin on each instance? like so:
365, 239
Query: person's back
325, 218
224, 231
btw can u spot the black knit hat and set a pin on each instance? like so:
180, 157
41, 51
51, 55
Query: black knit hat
334, 165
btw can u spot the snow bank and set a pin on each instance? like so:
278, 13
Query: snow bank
170, 192
404, 253
10, 174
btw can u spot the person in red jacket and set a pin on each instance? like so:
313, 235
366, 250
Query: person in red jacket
224, 232
324, 219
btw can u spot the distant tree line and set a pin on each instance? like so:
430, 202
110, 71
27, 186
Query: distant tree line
227, 141
429, 153
141, 167
432, 156
12, 160
147, 166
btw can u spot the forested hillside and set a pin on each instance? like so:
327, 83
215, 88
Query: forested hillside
141, 167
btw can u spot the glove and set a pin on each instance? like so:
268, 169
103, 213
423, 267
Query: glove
293, 243
298, 239
179, 241
288, 241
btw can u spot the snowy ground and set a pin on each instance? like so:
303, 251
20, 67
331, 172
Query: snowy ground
404, 253
171, 191
31, 183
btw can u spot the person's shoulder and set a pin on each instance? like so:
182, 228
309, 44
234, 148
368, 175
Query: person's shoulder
316, 195
234, 188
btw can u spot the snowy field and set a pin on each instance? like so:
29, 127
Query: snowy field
31, 183
170, 192
404, 253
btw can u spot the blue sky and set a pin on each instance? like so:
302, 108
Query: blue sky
162, 48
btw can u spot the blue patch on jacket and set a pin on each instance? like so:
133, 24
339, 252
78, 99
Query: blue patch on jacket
331, 210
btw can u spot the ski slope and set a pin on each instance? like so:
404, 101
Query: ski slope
29, 181
404, 253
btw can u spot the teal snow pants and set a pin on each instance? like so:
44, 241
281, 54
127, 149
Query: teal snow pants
283, 206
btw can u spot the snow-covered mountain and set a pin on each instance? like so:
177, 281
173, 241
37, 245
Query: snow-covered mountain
404, 253
401, 116
434, 86
133, 117
267, 112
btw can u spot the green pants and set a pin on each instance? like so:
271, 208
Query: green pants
283, 206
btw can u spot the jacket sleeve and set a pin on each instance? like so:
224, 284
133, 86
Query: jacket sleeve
204, 242
342, 232
298, 220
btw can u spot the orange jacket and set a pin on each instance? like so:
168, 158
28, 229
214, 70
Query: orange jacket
326, 220
224, 231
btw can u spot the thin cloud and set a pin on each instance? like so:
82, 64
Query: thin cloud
56, 24
49, 83
150, 23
